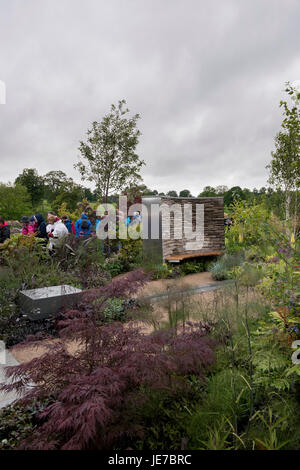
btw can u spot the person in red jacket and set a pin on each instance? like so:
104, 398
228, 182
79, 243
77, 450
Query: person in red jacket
4, 230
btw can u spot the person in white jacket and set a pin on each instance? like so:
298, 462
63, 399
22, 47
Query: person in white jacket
57, 231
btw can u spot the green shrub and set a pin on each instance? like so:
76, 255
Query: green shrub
221, 269
114, 266
114, 310
130, 253
226, 396
191, 267
252, 227
164, 417
276, 426
218, 271
17, 422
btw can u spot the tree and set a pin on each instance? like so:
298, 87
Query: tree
140, 188
172, 193
108, 156
233, 194
208, 191
55, 181
71, 194
185, 193
285, 164
90, 195
34, 184
248, 194
15, 201
221, 190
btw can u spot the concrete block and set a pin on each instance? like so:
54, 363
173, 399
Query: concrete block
46, 301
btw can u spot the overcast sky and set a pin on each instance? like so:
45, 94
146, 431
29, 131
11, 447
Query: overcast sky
206, 77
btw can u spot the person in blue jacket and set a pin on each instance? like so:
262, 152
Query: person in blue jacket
85, 229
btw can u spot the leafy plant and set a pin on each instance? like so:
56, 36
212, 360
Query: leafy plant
222, 268
18, 421
271, 423
114, 310
190, 267
96, 388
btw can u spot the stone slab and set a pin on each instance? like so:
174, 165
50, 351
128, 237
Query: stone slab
46, 301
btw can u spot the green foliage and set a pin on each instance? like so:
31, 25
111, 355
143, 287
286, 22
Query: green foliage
222, 268
17, 422
218, 271
164, 417
32, 266
114, 310
272, 425
233, 196
280, 285
63, 210
108, 156
226, 396
247, 274
185, 193
114, 266
69, 194
219, 436
285, 164
208, 191
172, 193
34, 183
191, 267
163, 271
55, 181
14, 201
251, 227
270, 362
130, 253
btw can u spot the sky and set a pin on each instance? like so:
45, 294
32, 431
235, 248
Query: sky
205, 76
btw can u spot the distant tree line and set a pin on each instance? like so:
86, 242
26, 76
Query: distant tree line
273, 199
31, 192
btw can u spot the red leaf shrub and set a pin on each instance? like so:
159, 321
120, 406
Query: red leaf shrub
95, 387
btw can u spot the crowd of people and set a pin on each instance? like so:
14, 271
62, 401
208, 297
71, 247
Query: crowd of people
58, 228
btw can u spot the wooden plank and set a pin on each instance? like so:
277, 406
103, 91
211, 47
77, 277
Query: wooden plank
183, 256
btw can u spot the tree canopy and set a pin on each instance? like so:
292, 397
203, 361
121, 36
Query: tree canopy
108, 157
34, 183
285, 164
185, 193
15, 201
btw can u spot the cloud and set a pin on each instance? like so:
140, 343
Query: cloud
206, 77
